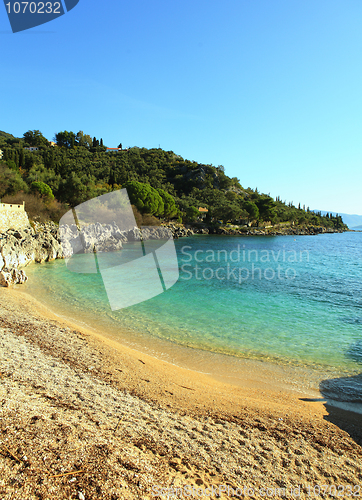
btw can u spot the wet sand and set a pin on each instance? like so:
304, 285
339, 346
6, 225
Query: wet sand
83, 416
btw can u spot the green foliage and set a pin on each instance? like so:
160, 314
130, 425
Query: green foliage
266, 208
10, 181
36, 207
170, 208
145, 198
227, 212
35, 138
43, 189
252, 210
159, 182
70, 139
83, 140
65, 139
192, 214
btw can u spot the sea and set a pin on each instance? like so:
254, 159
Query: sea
289, 301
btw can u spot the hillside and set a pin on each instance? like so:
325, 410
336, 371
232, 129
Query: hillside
353, 221
76, 168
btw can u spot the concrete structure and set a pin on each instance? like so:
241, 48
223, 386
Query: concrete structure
203, 211
13, 216
13, 207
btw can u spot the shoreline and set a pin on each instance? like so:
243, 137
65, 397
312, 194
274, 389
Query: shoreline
239, 371
248, 374
263, 372
120, 421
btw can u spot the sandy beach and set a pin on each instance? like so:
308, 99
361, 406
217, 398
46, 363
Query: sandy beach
83, 417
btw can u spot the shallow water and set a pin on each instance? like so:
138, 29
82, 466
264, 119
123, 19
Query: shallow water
293, 300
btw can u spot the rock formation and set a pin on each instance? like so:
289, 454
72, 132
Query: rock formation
12, 277
46, 242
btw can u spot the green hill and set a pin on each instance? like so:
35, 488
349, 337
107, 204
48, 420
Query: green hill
79, 168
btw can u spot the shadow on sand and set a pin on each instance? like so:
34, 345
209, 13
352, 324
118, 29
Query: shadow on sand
342, 398
343, 401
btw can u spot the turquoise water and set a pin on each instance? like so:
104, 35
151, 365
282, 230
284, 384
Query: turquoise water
289, 299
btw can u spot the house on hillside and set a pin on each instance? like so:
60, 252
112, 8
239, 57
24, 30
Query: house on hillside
202, 212
32, 148
113, 150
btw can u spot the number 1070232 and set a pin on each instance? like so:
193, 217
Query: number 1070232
34, 8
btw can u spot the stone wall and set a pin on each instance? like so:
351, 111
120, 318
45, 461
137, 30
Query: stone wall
13, 207
13, 219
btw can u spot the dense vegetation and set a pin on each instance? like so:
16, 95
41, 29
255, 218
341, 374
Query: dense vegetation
159, 183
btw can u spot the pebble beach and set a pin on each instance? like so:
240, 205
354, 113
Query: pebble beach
83, 417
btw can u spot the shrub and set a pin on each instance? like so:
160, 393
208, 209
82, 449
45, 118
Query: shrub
36, 208
43, 189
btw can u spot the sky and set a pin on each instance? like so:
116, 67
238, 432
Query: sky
270, 89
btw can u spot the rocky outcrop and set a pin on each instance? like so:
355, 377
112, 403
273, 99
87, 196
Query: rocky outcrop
273, 231
18, 248
12, 277
105, 237
180, 231
94, 237
45, 242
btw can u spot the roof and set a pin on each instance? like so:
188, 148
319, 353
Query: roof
201, 209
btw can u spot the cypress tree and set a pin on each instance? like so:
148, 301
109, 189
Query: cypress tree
21, 158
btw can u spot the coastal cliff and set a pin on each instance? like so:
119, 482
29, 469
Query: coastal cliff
46, 242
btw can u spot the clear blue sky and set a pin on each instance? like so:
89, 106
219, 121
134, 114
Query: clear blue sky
271, 89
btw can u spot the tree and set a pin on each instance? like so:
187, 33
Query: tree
82, 139
252, 210
65, 139
192, 214
145, 198
35, 138
227, 212
21, 158
266, 206
120, 145
101, 143
170, 208
43, 189
10, 181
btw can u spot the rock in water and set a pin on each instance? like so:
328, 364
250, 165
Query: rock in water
12, 277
